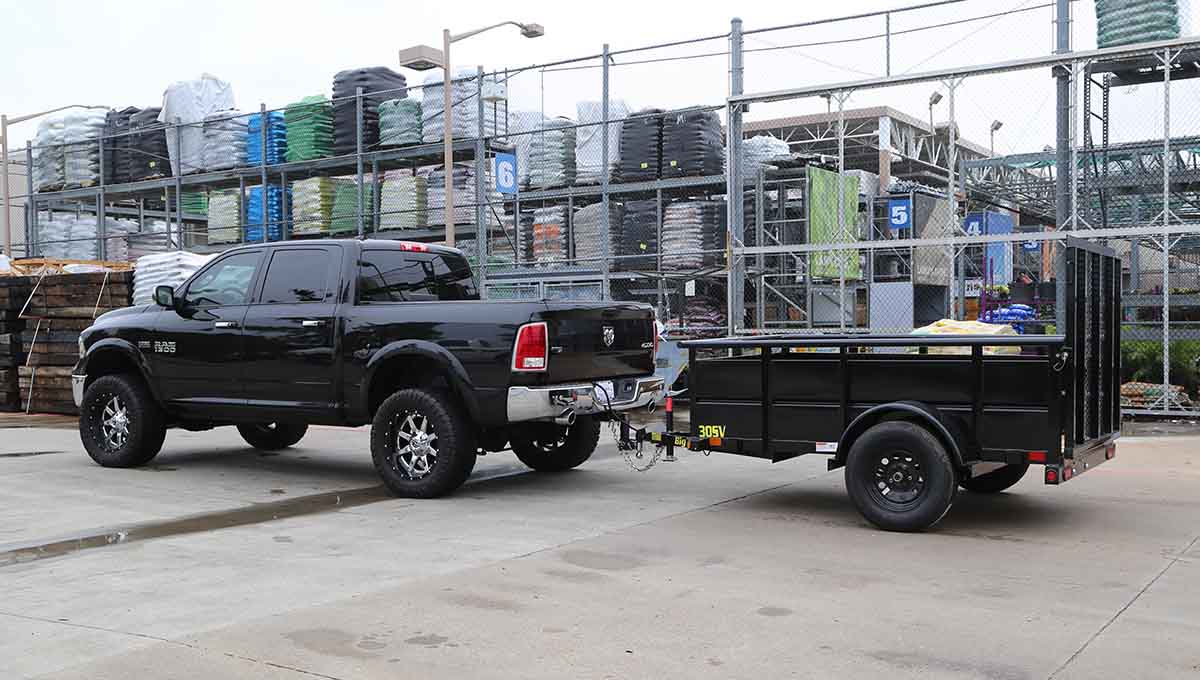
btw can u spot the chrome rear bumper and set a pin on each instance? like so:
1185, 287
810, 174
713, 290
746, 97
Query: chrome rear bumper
547, 403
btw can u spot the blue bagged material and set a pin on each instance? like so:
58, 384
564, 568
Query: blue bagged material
254, 213
276, 138
1013, 315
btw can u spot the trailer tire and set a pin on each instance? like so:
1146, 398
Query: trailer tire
442, 452
547, 448
997, 480
900, 477
120, 424
272, 436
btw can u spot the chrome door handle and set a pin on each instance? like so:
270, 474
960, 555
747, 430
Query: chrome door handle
225, 324
312, 323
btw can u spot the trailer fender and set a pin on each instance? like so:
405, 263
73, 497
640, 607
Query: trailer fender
912, 411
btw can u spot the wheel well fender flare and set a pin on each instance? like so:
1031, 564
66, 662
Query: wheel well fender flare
102, 354
912, 411
446, 363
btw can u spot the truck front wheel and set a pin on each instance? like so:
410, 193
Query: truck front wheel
546, 447
900, 477
997, 480
120, 425
421, 445
272, 436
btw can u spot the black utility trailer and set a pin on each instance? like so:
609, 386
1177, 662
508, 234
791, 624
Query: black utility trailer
912, 418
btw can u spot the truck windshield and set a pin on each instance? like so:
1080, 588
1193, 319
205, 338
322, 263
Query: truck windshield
406, 276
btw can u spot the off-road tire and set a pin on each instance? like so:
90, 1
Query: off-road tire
997, 480
558, 450
144, 427
272, 436
455, 450
900, 477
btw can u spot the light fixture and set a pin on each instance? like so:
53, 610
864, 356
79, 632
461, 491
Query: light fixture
421, 58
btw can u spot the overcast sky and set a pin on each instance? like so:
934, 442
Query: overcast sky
122, 54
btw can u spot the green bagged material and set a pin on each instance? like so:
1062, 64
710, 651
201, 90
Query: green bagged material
195, 202
345, 206
822, 203
309, 125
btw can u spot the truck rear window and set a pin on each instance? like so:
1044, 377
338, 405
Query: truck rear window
406, 276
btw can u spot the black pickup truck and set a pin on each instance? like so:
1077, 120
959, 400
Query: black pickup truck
273, 338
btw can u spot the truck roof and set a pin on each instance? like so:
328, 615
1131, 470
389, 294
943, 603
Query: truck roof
374, 244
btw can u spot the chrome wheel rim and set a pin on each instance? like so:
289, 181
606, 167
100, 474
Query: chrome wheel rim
416, 446
114, 423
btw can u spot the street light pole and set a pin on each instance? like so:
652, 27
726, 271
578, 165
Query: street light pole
448, 138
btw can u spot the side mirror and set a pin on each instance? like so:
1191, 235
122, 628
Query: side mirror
164, 296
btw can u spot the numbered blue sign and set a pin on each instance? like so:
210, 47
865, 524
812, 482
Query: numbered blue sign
973, 225
900, 213
506, 173
1031, 246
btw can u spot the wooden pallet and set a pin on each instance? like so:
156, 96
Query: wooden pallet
36, 266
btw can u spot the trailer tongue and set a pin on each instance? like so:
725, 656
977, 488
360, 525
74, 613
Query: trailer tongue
913, 418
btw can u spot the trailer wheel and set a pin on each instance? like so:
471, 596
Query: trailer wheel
997, 480
900, 477
421, 444
550, 448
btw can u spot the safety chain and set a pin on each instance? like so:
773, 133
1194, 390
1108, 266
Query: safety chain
633, 453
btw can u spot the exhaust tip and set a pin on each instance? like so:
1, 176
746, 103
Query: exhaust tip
566, 418
651, 406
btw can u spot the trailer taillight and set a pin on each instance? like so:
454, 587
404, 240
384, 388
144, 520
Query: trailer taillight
1036, 456
532, 348
1051, 476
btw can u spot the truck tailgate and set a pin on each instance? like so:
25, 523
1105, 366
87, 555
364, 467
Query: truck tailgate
598, 341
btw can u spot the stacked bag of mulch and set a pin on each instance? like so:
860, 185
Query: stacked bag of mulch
309, 124
224, 144
14, 291
522, 126
152, 239
345, 213
72, 236
762, 151
163, 269
378, 84
464, 195
399, 122
82, 129
588, 228
276, 138
312, 205
148, 157
118, 162
49, 168
1124, 22
189, 102
403, 201
60, 308
278, 201
637, 242
465, 106
589, 140
691, 233
224, 211
548, 235
552, 155
692, 144
641, 143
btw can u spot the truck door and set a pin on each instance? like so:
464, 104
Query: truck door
291, 333
196, 349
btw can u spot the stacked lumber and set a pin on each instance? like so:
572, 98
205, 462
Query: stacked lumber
14, 291
59, 308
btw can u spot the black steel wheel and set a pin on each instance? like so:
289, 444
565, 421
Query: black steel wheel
995, 481
120, 425
421, 445
547, 447
900, 477
272, 436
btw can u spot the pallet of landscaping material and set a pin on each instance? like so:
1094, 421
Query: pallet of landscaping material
37, 359
46, 389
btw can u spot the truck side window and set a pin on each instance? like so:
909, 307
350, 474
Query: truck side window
297, 275
225, 283
405, 276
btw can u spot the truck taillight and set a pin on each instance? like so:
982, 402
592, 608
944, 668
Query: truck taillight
655, 354
532, 348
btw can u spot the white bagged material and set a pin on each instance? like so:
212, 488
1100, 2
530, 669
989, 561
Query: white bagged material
760, 151
69, 236
153, 238
224, 140
589, 140
521, 126
465, 103
82, 129
163, 269
49, 171
312, 205
464, 195
224, 223
552, 155
190, 101
403, 201
588, 228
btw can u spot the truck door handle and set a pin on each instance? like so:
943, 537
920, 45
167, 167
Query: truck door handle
312, 323
225, 324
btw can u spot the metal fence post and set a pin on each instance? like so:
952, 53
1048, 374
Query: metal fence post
1167, 397
843, 237
262, 120
605, 227
735, 301
31, 233
101, 222
283, 209
178, 188
358, 150
482, 205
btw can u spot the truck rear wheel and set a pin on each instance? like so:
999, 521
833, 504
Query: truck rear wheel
120, 425
272, 436
421, 445
900, 477
997, 480
546, 447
